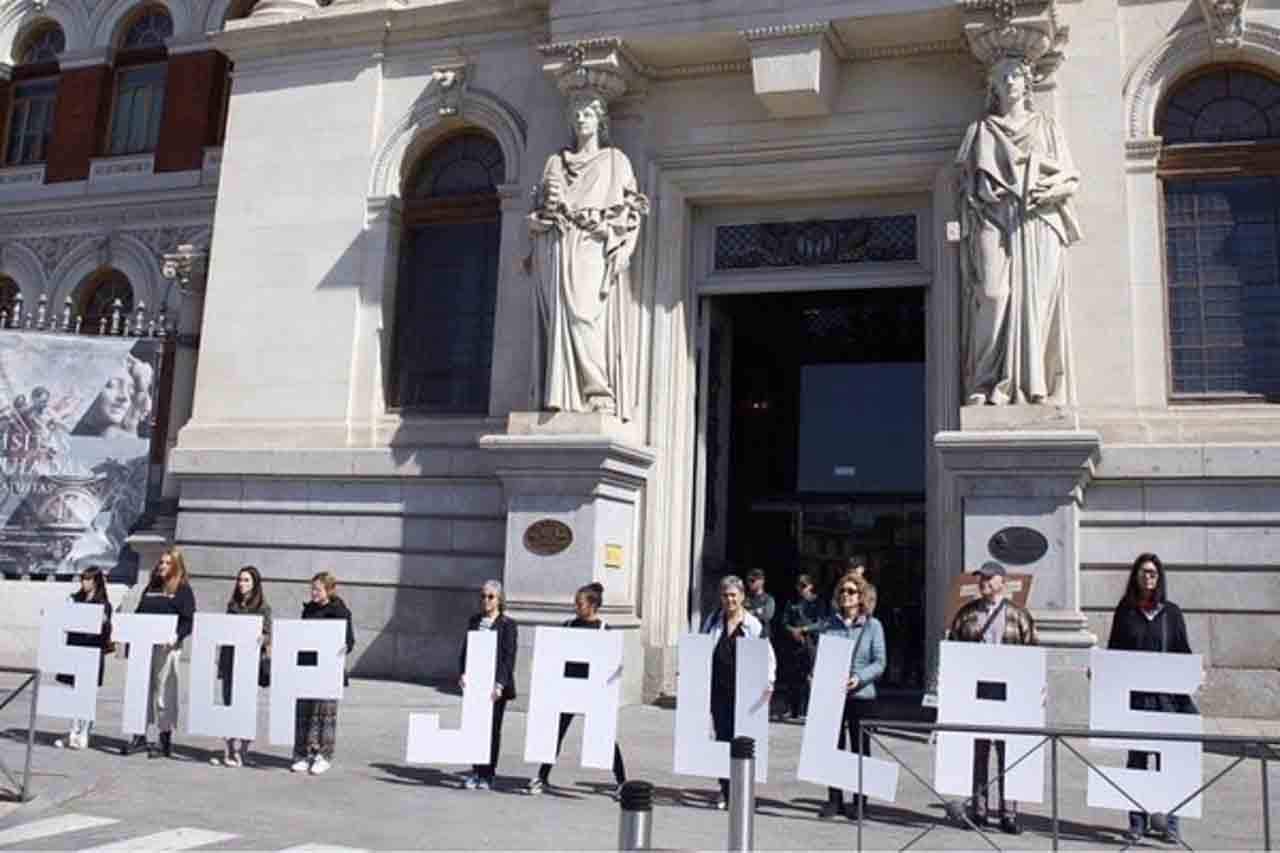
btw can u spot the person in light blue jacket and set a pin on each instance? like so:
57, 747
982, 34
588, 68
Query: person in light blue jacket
851, 620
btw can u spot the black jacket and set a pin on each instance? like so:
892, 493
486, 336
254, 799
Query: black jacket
182, 604
1131, 631
336, 608
101, 640
507, 635
226, 656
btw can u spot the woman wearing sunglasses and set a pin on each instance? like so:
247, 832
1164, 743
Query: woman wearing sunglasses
866, 664
493, 617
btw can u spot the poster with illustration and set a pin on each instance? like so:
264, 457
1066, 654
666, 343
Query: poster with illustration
75, 437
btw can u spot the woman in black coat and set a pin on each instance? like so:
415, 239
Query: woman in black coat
1146, 621
93, 590
493, 617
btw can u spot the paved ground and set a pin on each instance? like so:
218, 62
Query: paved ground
372, 800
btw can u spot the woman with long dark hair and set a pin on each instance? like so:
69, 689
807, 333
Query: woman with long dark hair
246, 600
1145, 620
167, 593
493, 617
93, 590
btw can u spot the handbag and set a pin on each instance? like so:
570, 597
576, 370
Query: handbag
264, 669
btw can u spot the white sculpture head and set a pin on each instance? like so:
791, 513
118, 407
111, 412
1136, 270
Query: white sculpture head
1009, 83
588, 116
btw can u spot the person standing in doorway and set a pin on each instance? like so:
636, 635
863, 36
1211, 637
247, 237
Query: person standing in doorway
731, 622
759, 603
586, 603
802, 619
167, 593
493, 617
93, 590
992, 618
315, 731
1146, 621
246, 600
866, 664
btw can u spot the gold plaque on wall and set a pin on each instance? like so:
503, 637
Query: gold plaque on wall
612, 556
547, 537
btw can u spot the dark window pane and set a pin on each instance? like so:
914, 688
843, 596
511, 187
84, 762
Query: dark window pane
1227, 105
466, 164
1223, 269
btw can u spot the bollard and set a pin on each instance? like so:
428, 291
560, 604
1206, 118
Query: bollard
635, 822
742, 794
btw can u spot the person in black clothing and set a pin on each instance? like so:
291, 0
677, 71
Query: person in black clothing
168, 592
492, 617
315, 728
246, 600
93, 590
803, 619
587, 604
1146, 621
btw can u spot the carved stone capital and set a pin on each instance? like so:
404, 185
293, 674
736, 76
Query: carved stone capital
451, 79
599, 66
1022, 29
1225, 19
186, 266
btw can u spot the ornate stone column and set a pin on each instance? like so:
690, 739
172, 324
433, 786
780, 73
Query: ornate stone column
186, 268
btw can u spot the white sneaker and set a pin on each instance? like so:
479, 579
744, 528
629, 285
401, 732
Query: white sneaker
83, 741
320, 765
302, 765
484, 784
471, 781
60, 744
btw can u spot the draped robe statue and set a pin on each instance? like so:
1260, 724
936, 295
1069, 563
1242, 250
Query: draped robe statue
1017, 221
584, 234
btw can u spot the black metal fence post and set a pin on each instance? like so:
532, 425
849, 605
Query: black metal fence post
1266, 805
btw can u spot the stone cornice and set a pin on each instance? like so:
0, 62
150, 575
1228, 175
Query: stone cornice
105, 216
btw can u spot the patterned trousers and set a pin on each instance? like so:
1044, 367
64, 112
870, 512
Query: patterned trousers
315, 728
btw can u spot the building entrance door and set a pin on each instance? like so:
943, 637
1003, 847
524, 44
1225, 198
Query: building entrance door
811, 450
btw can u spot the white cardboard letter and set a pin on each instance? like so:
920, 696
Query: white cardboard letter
469, 743
240, 718
142, 631
55, 657
1114, 675
595, 697
820, 761
697, 752
327, 638
1021, 669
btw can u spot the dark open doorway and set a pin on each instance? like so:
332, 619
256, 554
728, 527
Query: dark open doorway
814, 432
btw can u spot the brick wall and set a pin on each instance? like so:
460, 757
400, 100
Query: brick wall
80, 122
192, 109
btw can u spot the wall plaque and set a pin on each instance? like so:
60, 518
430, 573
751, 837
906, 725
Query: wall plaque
547, 537
1018, 546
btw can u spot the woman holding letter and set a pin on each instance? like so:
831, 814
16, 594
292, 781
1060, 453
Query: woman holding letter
167, 593
246, 600
587, 604
315, 732
727, 625
853, 621
93, 590
1146, 621
492, 617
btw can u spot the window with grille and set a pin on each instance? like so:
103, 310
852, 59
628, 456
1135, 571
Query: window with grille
99, 299
44, 45
140, 84
31, 122
447, 290
1220, 168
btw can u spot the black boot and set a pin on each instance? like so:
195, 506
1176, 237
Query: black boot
166, 744
136, 743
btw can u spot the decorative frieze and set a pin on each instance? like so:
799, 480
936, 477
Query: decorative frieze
117, 168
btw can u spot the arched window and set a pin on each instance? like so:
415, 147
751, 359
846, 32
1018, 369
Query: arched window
447, 288
98, 296
35, 93
1220, 167
140, 81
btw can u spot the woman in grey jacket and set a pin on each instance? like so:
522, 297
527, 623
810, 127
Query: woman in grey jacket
866, 665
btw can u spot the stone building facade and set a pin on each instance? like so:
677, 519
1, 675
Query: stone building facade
368, 402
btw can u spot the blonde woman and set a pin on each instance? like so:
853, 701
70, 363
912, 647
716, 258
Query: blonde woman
167, 593
493, 617
315, 732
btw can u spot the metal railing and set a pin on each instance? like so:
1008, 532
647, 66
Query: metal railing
32, 681
1054, 737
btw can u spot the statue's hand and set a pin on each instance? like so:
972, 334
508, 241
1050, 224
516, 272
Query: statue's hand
1051, 191
539, 222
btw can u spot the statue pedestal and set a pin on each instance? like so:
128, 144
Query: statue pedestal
573, 484
1020, 494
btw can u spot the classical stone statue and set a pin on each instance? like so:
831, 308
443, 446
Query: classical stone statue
1017, 221
584, 233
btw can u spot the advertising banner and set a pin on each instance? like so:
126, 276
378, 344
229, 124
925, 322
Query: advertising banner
75, 434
